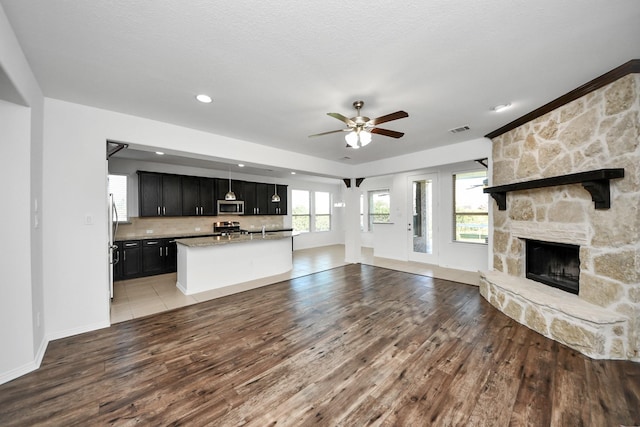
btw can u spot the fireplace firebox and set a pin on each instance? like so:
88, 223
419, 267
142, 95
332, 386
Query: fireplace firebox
554, 264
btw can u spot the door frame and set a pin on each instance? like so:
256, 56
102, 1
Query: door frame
432, 257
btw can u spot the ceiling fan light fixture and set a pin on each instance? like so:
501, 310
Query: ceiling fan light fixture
352, 139
365, 138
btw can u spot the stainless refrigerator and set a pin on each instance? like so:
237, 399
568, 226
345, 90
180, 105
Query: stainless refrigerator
112, 252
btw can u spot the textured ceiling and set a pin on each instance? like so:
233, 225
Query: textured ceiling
274, 69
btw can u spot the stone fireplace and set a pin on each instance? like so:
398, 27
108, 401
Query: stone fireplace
599, 129
554, 264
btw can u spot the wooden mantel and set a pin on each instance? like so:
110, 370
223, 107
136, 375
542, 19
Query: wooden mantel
596, 182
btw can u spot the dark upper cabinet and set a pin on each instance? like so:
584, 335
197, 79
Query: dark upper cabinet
249, 198
278, 208
222, 188
207, 196
177, 195
159, 194
256, 198
198, 196
171, 195
190, 196
149, 194
263, 198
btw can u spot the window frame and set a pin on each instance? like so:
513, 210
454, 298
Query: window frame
456, 213
121, 219
295, 215
371, 214
313, 214
321, 215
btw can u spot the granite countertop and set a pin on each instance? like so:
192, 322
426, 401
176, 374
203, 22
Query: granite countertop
234, 238
164, 236
268, 230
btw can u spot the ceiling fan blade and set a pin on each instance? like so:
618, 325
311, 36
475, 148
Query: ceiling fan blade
342, 118
393, 116
331, 131
387, 132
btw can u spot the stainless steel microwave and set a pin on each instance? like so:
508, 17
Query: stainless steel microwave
230, 207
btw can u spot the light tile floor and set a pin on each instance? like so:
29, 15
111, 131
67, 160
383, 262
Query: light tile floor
148, 295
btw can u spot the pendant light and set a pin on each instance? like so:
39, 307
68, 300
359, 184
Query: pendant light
275, 198
230, 194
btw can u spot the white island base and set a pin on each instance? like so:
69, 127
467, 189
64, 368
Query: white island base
206, 267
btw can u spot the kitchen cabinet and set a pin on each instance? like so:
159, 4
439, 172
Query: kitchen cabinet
159, 256
131, 258
171, 256
256, 198
177, 195
152, 257
198, 196
278, 208
249, 198
159, 194
222, 187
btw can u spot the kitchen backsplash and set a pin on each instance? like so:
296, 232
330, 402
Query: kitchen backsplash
170, 226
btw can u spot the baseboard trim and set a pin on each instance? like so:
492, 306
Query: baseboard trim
79, 330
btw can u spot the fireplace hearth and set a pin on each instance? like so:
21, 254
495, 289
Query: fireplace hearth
554, 264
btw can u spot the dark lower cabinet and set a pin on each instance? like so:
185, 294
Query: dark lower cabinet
131, 258
141, 258
171, 256
152, 257
159, 256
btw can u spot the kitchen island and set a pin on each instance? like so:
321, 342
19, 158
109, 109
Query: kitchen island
214, 263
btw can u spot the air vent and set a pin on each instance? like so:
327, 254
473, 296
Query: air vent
460, 129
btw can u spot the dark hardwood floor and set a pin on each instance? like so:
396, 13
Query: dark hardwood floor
356, 345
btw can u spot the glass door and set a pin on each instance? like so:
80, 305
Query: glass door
421, 232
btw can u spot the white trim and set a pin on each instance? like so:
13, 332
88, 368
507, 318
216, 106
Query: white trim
79, 330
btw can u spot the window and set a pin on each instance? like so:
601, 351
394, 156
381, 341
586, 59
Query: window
118, 187
307, 217
301, 213
379, 207
470, 210
322, 209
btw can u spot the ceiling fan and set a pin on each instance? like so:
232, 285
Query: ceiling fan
360, 127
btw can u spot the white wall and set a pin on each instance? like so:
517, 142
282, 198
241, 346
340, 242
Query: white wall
392, 240
22, 330
75, 188
15, 254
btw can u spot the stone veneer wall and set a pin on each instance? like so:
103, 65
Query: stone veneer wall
599, 130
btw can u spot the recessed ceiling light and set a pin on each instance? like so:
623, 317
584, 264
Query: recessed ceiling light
240, 165
501, 107
159, 153
204, 98
293, 173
